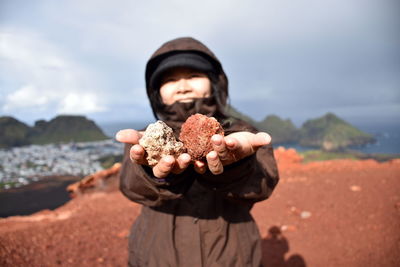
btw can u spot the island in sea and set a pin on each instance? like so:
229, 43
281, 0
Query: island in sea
329, 132
75, 145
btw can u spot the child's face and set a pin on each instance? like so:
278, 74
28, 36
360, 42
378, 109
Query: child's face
183, 85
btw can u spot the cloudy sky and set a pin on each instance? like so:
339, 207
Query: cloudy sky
297, 59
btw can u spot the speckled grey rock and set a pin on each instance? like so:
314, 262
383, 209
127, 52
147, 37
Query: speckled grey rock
158, 141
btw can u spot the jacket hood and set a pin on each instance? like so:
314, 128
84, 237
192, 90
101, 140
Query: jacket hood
186, 45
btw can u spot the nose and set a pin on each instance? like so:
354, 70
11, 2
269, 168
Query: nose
183, 86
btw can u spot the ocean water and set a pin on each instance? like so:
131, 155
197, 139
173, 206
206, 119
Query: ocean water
387, 135
387, 138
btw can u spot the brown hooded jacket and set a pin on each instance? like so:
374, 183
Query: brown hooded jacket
193, 219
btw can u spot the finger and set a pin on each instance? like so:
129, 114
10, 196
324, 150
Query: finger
235, 149
182, 162
231, 143
214, 163
128, 136
137, 154
164, 167
219, 146
200, 167
261, 139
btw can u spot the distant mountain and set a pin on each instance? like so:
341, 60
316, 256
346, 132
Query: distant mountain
327, 132
66, 129
237, 114
13, 132
60, 129
332, 133
281, 131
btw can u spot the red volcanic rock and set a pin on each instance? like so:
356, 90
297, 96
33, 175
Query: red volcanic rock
94, 180
287, 156
196, 134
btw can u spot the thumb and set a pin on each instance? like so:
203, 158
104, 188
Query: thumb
261, 139
128, 136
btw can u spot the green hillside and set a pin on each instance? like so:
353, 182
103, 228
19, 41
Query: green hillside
331, 133
66, 129
13, 132
60, 129
328, 132
281, 131
230, 110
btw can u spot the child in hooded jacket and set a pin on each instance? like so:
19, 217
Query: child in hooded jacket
196, 213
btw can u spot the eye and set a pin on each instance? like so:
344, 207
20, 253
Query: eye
196, 75
169, 79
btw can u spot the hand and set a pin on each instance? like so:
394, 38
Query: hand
167, 164
234, 147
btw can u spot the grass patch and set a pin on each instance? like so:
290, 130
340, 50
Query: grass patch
107, 161
320, 155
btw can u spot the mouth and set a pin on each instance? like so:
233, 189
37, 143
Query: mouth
185, 100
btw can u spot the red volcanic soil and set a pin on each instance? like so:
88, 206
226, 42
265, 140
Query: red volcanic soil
331, 213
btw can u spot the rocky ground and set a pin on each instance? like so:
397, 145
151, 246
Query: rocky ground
331, 213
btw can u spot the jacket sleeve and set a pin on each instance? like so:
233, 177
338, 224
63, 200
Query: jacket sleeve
249, 180
138, 183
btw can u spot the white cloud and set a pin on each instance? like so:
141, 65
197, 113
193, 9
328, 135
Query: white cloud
79, 103
279, 51
27, 96
51, 81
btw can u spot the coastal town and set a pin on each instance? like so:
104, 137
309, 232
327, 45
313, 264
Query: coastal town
23, 165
